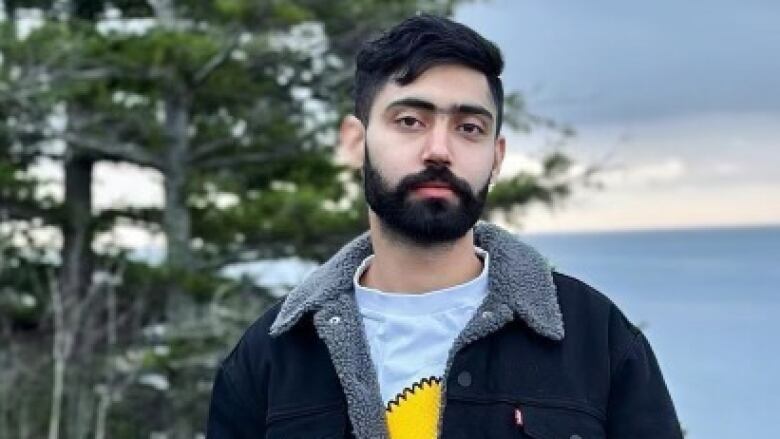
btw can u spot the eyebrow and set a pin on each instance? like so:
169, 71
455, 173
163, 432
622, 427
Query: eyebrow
430, 106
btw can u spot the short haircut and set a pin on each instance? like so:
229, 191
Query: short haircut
413, 46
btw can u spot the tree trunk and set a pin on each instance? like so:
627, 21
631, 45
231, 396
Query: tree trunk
74, 281
104, 402
80, 395
176, 214
24, 424
180, 306
77, 257
176, 218
62, 345
56, 397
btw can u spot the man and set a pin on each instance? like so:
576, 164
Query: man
431, 324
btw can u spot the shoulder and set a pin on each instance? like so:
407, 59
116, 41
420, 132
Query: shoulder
238, 400
259, 331
251, 351
259, 349
580, 299
590, 315
574, 291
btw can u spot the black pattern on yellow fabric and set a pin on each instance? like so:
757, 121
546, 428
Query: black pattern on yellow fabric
414, 412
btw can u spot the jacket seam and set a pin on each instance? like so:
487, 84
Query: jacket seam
544, 403
629, 349
279, 415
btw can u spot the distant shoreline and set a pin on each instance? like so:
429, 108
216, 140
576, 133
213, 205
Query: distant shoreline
638, 230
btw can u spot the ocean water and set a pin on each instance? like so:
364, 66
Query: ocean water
709, 302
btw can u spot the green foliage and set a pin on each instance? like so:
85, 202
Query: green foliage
550, 186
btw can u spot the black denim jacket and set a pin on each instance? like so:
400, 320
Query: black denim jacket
303, 369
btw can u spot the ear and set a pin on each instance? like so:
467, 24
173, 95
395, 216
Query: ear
352, 138
499, 152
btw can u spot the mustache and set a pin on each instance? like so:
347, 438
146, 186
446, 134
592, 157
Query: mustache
437, 174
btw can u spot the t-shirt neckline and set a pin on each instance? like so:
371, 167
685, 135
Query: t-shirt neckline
465, 294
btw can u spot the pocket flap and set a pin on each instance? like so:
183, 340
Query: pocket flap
546, 422
321, 422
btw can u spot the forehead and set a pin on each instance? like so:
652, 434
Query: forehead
444, 86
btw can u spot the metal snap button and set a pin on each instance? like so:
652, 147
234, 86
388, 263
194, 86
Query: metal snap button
464, 378
487, 314
335, 320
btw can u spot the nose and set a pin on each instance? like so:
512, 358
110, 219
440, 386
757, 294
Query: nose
437, 146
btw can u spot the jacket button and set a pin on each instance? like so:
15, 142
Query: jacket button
335, 320
464, 379
487, 315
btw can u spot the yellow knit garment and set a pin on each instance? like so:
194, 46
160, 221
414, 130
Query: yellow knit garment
414, 413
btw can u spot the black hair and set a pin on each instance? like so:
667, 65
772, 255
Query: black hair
415, 45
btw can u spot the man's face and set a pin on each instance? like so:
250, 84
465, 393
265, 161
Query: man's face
430, 153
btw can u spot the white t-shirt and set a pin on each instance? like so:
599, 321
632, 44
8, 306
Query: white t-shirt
409, 336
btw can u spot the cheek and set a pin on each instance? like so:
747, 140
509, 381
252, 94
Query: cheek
476, 169
392, 161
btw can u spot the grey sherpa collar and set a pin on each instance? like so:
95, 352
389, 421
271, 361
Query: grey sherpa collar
519, 278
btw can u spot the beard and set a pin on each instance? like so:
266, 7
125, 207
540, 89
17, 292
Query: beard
424, 221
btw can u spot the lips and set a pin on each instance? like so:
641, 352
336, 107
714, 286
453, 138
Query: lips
434, 184
434, 189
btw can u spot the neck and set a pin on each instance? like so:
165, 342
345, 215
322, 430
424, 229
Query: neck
404, 266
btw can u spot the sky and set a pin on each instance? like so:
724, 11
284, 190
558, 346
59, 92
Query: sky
677, 102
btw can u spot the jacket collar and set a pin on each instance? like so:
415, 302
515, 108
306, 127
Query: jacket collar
519, 279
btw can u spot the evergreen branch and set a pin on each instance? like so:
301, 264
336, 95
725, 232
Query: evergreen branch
113, 149
216, 61
201, 151
21, 210
150, 215
244, 159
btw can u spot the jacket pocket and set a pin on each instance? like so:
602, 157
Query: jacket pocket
325, 421
560, 422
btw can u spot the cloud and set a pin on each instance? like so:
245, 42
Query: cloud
725, 169
668, 170
651, 208
700, 169
515, 162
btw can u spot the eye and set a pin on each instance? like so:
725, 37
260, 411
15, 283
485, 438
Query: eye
471, 128
408, 122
